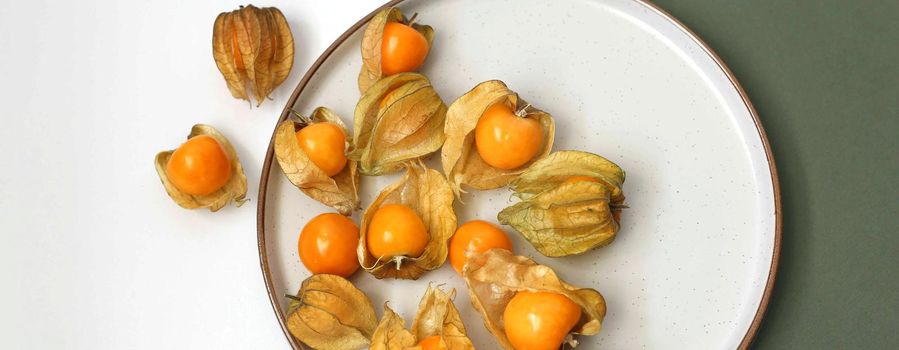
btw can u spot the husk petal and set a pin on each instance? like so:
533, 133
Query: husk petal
234, 190
437, 315
282, 58
223, 51
391, 333
556, 168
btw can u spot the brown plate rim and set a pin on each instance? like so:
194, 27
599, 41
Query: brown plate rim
269, 155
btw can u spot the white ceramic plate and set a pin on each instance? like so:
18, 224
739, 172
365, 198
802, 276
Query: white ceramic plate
695, 258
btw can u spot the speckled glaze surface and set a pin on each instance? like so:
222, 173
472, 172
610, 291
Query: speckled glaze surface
691, 262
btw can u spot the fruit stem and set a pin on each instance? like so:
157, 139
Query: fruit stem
294, 297
411, 20
523, 111
300, 119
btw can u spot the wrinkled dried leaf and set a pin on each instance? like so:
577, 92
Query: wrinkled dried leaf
371, 44
235, 190
429, 195
253, 48
331, 314
341, 191
550, 172
461, 161
493, 278
398, 119
569, 219
437, 315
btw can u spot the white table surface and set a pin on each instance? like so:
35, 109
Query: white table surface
94, 254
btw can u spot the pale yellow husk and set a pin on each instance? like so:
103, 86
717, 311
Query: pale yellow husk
437, 315
399, 119
331, 314
561, 218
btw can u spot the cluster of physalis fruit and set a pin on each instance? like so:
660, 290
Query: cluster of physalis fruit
570, 202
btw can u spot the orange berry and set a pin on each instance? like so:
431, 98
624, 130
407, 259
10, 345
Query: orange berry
403, 49
539, 320
199, 166
475, 236
325, 144
396, 230
434, 342
328, 244
506, 141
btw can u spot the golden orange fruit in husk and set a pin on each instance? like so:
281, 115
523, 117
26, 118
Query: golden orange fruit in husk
204, 172
392, 44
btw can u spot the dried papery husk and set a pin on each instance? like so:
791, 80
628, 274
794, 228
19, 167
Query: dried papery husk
223, 48
282, 58
329, 313
340, 191
569, 219
437, 315
253, 49
427, 193
561, 218
399, 119
493, 278
461, 162
556, 168
234, 190
391, 333
371, 44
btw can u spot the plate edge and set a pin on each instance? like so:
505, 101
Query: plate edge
769, 155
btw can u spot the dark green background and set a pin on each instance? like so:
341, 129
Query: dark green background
824, 76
